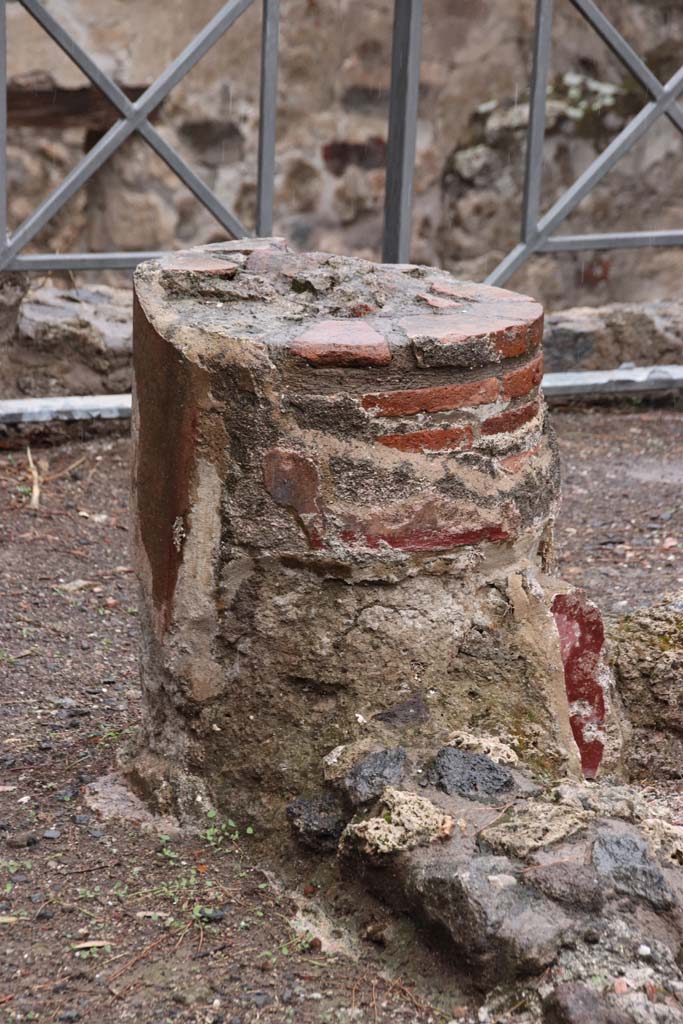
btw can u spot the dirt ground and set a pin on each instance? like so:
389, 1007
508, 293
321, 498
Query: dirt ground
104, 920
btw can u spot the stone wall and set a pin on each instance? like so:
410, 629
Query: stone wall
332, 134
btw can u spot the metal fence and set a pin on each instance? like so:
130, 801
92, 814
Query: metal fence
537, 233
135, 118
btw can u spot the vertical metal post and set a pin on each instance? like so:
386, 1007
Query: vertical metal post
3, 123
536, 134
403, 101
270, 28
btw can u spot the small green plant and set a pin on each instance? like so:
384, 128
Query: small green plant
179, 889
89, 894
120, 891
166, 850
217, 832
12, 866
92, 952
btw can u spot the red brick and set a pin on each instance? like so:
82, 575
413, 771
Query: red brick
519, 318
452, 328
514, 463
448, 439
467, 291
535, 335
510, 420
198, 263
508, 332
512, 342
522, 381
436, 301
342, 343
439, 399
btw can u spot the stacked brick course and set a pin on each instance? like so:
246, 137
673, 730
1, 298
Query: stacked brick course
345, 488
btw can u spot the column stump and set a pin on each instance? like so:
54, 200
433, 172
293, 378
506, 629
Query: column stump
344, 490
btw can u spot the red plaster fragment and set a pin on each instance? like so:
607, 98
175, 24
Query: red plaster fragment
342, 343
429, 526
582, 637
292, 481
426, 539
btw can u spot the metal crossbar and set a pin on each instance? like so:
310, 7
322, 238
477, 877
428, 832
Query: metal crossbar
135, 118
536, 234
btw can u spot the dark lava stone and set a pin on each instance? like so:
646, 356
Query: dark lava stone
368, 779
470, 775
318, 822
626, 862
572, 1003
575, 885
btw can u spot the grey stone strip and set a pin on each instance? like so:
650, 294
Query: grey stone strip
626, 380
65, 407
623, 381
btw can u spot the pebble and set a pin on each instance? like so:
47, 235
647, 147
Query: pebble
261, 999
69, 1015
77, 712
211, 916
644, 951
67, 794
51, 833
22, 839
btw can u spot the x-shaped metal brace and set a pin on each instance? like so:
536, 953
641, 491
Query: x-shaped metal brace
536, 231
135, 118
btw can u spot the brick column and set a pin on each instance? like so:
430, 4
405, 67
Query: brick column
344, 491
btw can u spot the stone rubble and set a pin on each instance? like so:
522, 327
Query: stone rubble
558, 905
